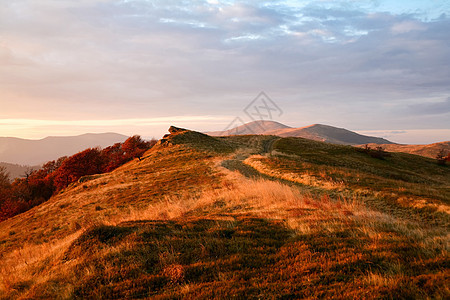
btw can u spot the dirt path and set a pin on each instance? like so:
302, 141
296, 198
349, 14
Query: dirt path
237, 164
268, 145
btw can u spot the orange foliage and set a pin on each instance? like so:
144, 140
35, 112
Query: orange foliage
38, 186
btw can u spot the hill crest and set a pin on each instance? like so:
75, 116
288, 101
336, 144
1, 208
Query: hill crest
255, 127
430, 150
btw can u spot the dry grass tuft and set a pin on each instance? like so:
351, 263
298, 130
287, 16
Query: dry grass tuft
18, 268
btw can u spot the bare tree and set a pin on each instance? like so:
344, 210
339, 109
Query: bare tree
4, 178
28, 173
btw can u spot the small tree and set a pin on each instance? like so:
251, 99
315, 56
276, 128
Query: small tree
135, 146
441, 158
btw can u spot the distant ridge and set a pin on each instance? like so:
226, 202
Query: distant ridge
430, 150
317, 132
35, 152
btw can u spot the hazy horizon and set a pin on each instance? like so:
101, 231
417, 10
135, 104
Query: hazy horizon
136, 67
396, 136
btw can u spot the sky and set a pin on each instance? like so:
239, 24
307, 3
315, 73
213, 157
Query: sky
377, 67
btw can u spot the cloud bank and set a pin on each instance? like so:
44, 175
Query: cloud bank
357, 64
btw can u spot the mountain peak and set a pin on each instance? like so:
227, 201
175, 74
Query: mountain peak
318, 132
267, 123
254, 127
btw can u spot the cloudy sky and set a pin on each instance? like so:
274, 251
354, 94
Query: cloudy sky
135, 67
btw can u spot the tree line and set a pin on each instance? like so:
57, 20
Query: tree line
39, 185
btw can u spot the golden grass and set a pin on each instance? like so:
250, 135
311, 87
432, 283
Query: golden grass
200, 221
23, 267
163, 173
411, 200
302, 213
381, 280
305, 178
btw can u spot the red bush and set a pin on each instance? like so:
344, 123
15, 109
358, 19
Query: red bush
38, 186
135, 147
87, 162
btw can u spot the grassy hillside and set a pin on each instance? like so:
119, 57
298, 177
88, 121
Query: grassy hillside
238, 217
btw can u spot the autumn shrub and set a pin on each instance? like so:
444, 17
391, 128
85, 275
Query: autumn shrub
377, 152
39, 185
87, 162
135, 146
113, 157
120, 153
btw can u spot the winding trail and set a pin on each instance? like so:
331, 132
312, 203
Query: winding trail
383, 204
268, 145
237, 162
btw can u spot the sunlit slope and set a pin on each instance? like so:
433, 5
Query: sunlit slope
298, 219
162, 172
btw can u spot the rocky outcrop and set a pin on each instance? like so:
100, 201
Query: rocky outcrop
173, 130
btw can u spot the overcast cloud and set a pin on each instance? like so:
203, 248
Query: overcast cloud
363, 65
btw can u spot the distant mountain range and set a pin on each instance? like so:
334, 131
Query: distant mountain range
317, 132
36, 152
334, 135
18, 155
